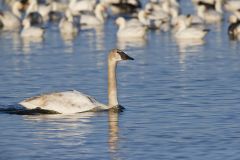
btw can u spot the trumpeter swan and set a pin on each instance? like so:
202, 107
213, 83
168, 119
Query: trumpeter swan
73, 101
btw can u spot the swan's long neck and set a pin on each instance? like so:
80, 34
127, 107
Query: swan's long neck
33, 7
99, 15
15, 9
112, 83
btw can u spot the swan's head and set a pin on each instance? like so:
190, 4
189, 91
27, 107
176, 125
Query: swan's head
118, 55
26, 23
120, 21
232, 19
201, 8
101, 7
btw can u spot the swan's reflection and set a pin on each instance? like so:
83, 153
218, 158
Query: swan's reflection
68, 37
113, 131
95, 36
28, 42
188, 46
75, 127
71, 127
68, 41
123, 43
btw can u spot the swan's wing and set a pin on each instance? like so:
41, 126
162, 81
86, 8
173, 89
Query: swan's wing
132, 32
64, 102
88, 19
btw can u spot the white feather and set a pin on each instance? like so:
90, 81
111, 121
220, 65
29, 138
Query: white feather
64, 102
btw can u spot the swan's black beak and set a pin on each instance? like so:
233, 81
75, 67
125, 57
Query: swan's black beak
127, 57
123, 55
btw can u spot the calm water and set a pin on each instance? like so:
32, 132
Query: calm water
182, 101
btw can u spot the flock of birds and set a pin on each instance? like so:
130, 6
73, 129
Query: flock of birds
29, 16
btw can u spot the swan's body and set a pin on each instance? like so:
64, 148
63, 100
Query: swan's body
232, 5
130, 31
64, 102
33, 13
191, 33
123, 6
11, 19
81, 6
44, 11
98, 18
67, 25
185, 31
209, 16
234, 28
152, 20
130, 23
73, 101
31, 31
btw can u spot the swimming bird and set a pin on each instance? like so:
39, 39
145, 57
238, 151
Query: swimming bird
130, 31
123, 6
67, 25
152, 20
234, 28
32, 13
81, 6
29, 31
232, 5
98, 18
131, 22
185, 32
209, 15
10, 20
69, 102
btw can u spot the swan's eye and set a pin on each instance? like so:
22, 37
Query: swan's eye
120, 52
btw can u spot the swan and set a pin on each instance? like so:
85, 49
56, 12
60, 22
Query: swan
11, 20
98, 18
33, 14
209, 16
67, 25
70, 102
81, 6
131, 22
232, 5
234, 28
123, 6
153, 20
31, 31
44, 11
130, 31
57, 11
185, 32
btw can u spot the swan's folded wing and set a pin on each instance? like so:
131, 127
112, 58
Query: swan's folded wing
64, 102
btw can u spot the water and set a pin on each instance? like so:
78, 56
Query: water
182, 101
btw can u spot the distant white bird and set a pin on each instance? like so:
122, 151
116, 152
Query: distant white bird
81, 6
130, 31
11, 20
69, 102
29, 31
134, 22
67, 25
185, 32
32, 13
209, 16
232, 5
234, 28
123, 6
152, 20
98, 18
